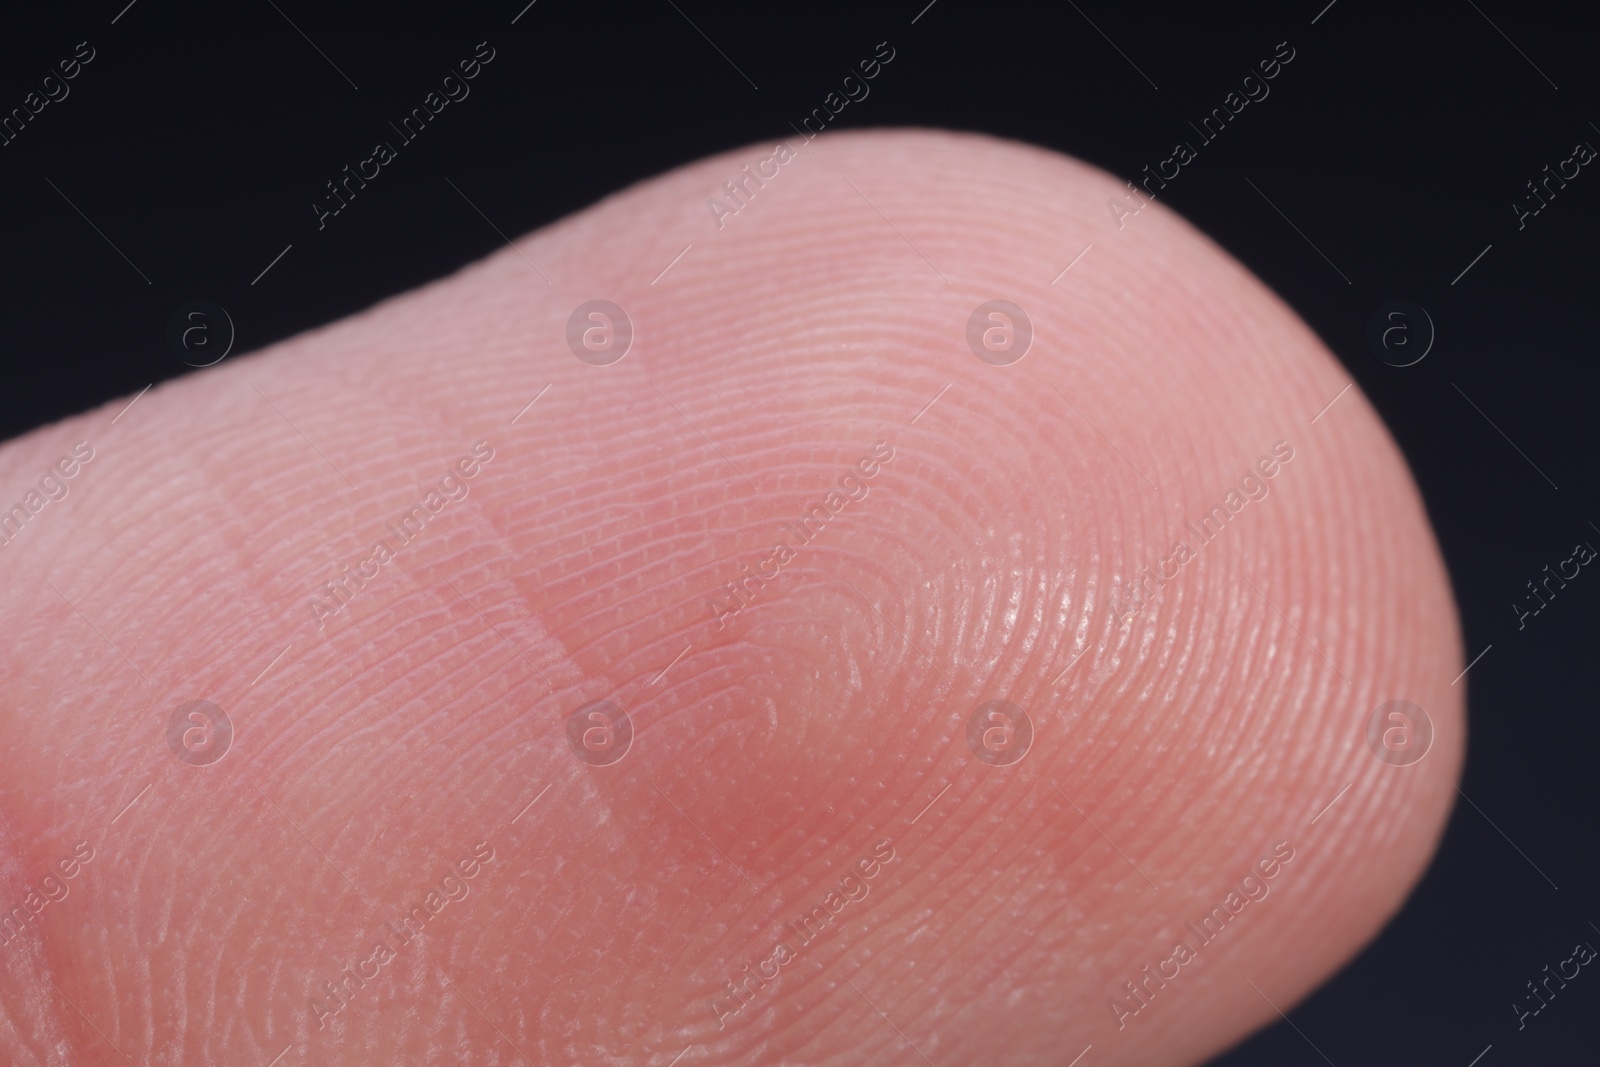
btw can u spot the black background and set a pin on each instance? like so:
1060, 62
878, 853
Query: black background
1397, 141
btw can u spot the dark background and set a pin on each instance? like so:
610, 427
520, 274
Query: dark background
1397, 141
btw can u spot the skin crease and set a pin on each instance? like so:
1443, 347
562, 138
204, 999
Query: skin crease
1171, 751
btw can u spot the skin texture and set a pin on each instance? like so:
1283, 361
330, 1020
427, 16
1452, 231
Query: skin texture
1172, 749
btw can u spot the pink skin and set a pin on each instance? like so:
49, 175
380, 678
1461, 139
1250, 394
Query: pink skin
771, 753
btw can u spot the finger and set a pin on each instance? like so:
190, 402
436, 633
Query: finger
935, 740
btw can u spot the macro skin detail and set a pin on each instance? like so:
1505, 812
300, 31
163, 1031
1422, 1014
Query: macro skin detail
799, 533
